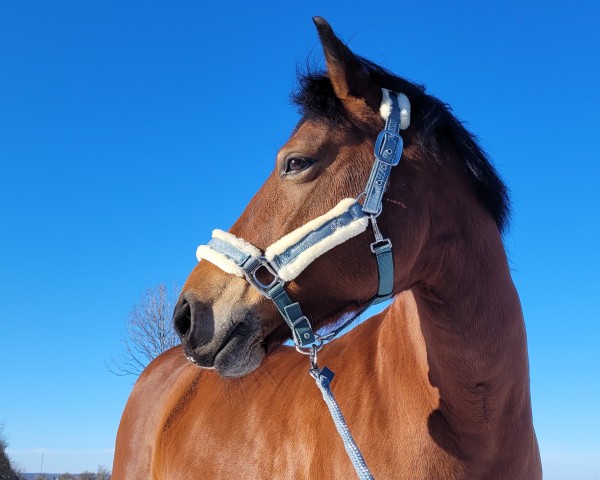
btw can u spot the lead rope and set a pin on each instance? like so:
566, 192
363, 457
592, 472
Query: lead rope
323, 379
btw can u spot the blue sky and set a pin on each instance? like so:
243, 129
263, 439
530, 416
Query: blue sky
111, 121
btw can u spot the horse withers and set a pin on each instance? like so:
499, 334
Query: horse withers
434, 387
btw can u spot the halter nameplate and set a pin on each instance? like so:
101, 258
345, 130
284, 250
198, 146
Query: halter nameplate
285, 259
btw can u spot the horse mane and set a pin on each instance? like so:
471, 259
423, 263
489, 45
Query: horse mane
436, 129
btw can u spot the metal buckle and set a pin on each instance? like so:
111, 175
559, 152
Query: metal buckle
263, 288
379, 244
302, 328
392, 152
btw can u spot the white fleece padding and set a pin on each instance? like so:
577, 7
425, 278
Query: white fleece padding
386, 108
218, 259
295, 268
340, 235
295, 236
243, 245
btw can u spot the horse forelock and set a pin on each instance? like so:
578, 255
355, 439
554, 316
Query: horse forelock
435, 128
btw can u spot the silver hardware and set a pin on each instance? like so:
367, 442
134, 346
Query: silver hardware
322, 338
313, 357
263, 288
394, 152
386, 241
299, 350
378, 235
319, 342
379, 240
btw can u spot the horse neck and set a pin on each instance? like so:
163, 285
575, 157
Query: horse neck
472, 328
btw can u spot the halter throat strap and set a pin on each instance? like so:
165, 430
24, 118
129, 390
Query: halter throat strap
285, 259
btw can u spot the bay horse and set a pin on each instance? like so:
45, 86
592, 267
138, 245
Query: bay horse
436, 386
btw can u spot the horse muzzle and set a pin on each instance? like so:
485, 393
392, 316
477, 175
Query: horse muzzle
227, 340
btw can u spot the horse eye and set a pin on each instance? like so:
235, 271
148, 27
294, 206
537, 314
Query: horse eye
297, 164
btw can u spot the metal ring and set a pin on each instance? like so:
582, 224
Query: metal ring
323, 338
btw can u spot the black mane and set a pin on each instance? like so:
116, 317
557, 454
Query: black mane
316, 99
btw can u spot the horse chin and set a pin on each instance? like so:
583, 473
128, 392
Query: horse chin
237, 358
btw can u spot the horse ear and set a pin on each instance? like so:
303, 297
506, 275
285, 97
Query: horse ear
351, 82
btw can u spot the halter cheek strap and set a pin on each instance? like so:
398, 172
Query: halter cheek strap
285, 259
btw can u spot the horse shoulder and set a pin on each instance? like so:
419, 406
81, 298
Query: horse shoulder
146, 411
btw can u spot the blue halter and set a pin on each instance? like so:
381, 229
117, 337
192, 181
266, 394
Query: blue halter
388, 150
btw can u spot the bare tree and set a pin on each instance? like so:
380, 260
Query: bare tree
7, 471
102, 473
149, 331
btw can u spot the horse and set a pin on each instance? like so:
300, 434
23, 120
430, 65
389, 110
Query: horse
436, 386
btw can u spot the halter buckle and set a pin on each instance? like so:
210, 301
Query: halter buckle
378, 245
388, 147
251, 271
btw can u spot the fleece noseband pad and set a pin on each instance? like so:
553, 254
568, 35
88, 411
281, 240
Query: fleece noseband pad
292, 253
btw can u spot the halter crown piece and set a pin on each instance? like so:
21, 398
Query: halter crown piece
285, 259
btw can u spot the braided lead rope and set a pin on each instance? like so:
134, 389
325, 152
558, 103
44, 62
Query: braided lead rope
323, 379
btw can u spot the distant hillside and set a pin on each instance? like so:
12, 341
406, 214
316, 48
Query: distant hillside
49, 476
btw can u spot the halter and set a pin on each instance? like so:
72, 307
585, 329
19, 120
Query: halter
285, 259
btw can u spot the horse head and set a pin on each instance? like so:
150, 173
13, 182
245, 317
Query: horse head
226, 324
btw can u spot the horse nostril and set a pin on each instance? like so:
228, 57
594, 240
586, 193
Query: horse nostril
182, 318
193, 321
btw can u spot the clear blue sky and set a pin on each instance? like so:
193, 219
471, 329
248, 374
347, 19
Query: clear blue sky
111, 120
